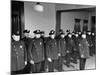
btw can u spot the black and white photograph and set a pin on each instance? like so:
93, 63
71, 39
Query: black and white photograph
52, 37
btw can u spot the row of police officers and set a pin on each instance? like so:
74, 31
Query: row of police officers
44, 54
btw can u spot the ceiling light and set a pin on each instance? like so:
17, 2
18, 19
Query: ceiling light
38, 7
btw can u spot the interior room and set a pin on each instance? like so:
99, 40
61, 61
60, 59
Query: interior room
53, 16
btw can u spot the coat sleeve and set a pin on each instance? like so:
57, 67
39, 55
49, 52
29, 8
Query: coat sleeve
25, 52
47, 50
42, 47
59, 47
29, 49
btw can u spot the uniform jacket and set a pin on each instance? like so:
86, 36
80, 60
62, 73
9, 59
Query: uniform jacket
84, 48
27, 43
89, 39
18, 55
94, 40
76, 43
62, 46
70, 45
36, 50
51, 49
44, 42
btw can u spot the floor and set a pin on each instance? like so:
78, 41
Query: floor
90, 64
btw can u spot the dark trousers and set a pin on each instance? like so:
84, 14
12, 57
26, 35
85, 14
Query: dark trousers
91, 51
68, 60
60, 63
50, 66
74, 56
27, 68
82, 63
42, 66
35, 68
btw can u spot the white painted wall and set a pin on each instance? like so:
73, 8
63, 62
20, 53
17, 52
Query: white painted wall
39, 20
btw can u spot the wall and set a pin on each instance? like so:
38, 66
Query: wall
72, 6
39, 20
67, 19
46, 20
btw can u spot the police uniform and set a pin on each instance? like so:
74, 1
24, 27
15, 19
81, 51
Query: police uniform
94, 43
18, 57
84, 52
61, 51
51, 52
75, 52
43, 66
27, 41
36, 51
89, 39
69, 49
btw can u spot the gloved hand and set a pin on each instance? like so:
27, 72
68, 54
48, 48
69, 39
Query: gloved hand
82, 56
32, 62
25, 62
49, 59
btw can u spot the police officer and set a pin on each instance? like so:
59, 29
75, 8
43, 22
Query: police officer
89, 39
51, 51
61, 50
36, 51
84, 50
69, 49
75, 53
27, 40
94, 42
43, 67
18, 55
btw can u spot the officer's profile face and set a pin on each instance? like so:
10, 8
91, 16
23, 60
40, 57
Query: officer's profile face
93, 34
52, 36
37, 35
89, 33
76, 35
62, 35
16, 37
70, 35
84, 36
